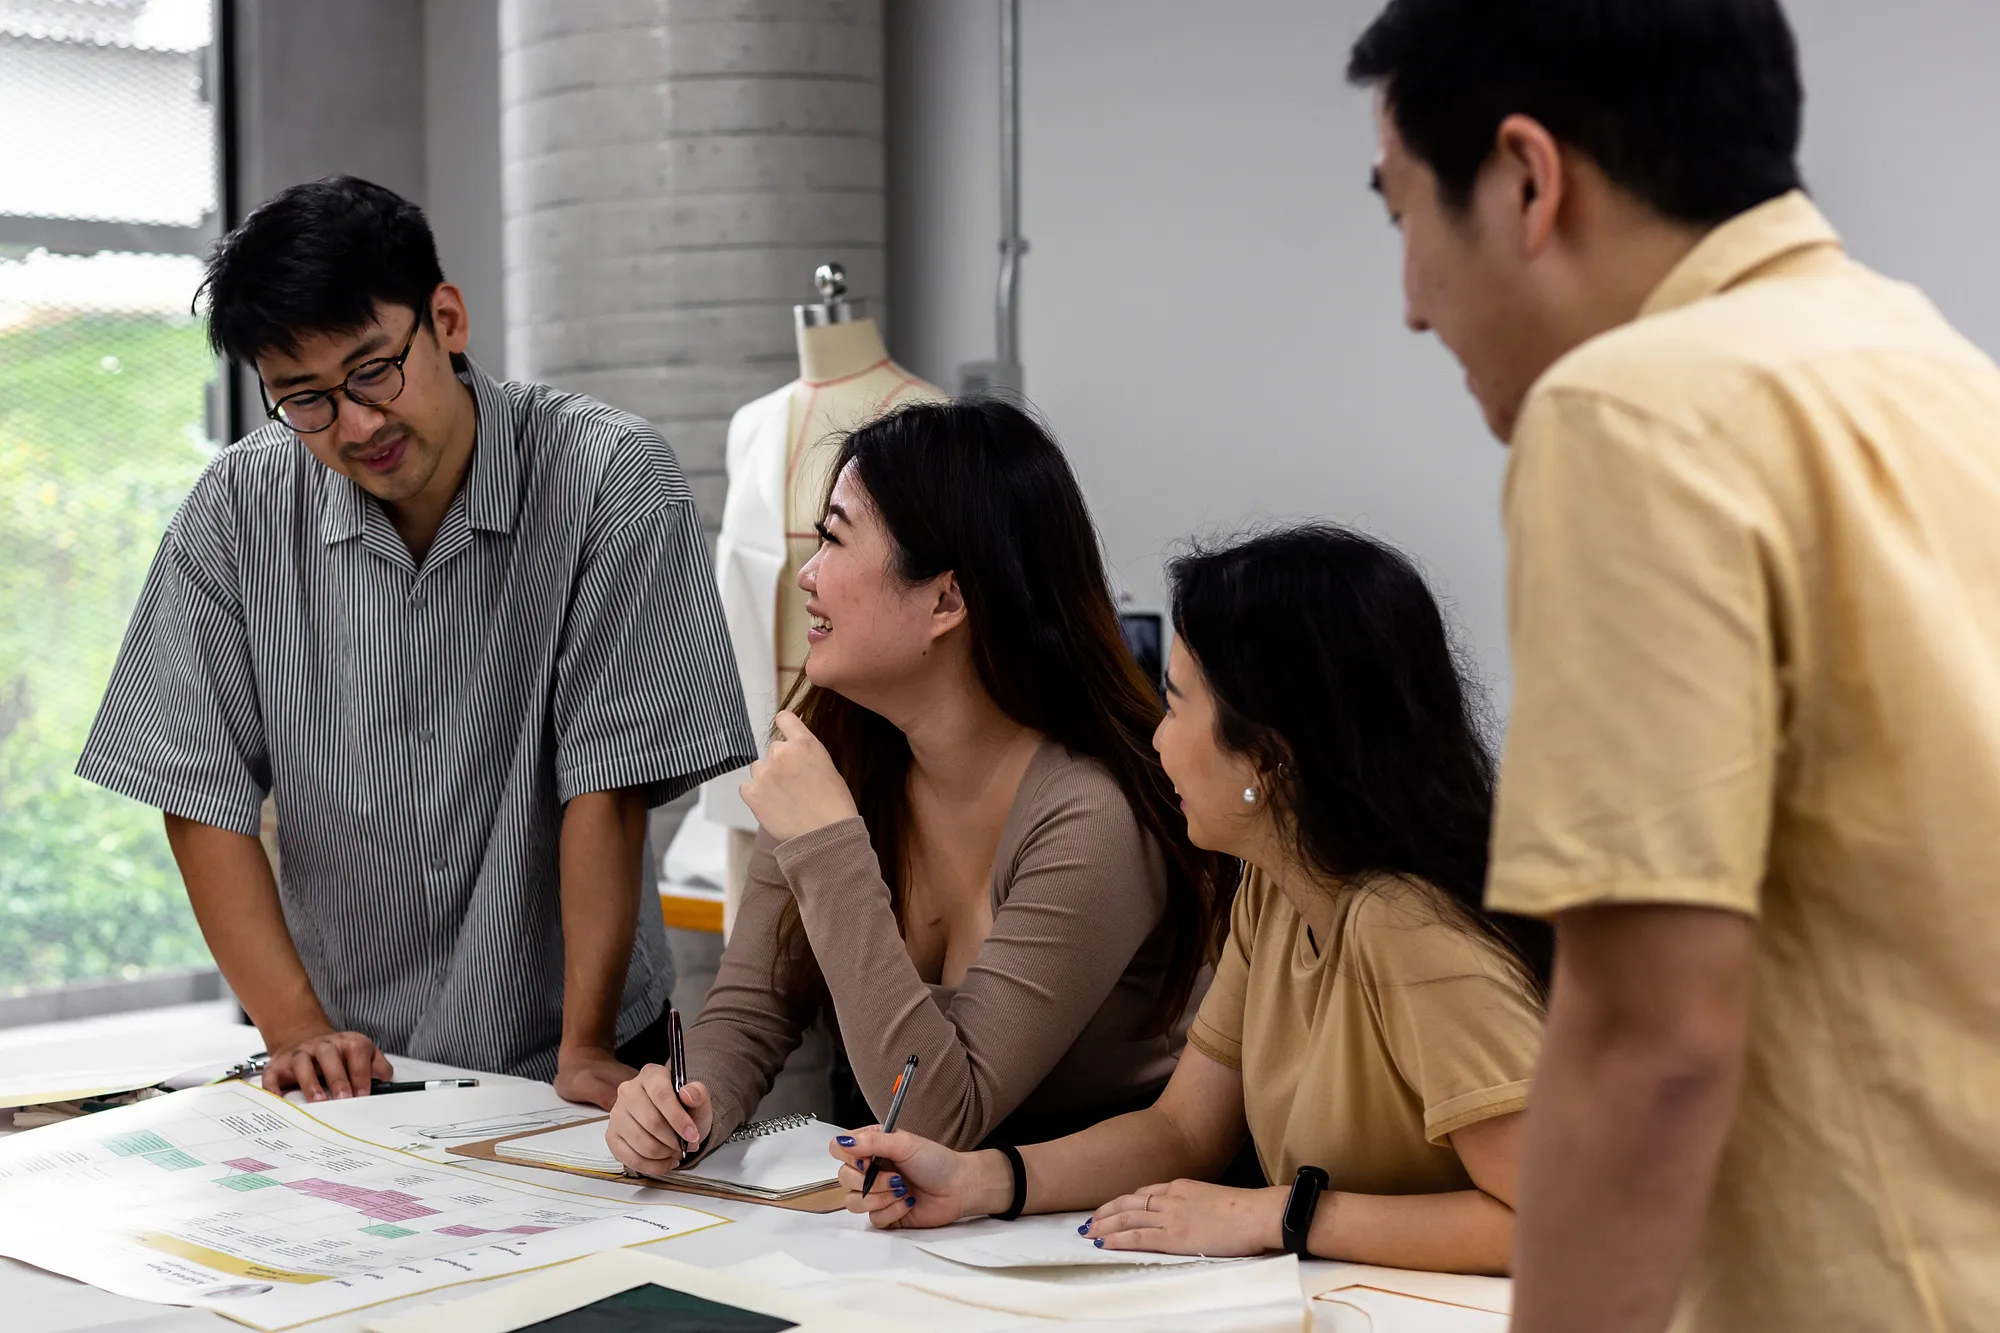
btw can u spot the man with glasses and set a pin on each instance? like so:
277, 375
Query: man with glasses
464, 633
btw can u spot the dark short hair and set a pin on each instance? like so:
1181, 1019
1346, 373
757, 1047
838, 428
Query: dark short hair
1692, 106
1332, 670
315, 259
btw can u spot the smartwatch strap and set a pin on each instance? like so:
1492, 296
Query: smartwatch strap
1296, 1228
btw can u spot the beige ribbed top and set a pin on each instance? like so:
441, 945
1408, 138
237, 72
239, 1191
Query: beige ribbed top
1051, 1017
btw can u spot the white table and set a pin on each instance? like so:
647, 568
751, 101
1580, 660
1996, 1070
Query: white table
35, 1301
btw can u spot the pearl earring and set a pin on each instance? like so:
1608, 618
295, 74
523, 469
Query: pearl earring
1249, 796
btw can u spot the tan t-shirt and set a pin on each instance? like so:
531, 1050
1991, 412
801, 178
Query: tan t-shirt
1755, 610
1361, 1052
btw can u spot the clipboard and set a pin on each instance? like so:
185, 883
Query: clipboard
827, 1200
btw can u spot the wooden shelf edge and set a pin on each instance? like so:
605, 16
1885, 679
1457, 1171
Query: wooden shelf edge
682, 912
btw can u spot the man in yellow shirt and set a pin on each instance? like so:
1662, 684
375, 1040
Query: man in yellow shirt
1753, 768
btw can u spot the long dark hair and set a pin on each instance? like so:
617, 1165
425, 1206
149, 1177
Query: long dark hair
978, 488
1331, 668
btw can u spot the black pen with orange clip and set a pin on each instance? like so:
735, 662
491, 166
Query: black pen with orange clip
889, 1121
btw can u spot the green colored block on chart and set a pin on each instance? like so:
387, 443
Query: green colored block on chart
173, 1159
388, 1231
138, 1143
246, 1182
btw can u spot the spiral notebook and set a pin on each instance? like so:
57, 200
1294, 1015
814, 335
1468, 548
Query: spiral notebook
766, 1159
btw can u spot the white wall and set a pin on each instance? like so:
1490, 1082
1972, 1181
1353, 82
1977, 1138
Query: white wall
1211, 312
406, 95
462, 163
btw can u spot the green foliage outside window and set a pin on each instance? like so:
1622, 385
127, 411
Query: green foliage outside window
100, 438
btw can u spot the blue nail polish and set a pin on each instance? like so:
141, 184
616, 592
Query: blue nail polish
897, 1181
1099, 1243
897, 1190
845, 1140
1083, 1230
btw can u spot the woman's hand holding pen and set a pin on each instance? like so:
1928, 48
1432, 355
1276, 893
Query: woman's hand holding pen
650, 1129
922, 1184
795, 789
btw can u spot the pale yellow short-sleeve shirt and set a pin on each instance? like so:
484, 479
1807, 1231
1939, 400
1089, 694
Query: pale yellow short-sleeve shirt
1362, 1052
1754, 600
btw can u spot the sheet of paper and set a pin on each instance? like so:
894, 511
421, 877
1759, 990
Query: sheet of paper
584, 1287
1494, 1295
1042, 1242
61, 1068
235, 1201
1390, 1312
1261, 1296
429, 1123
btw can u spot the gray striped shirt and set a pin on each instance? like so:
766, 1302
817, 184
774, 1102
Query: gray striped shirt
420, 729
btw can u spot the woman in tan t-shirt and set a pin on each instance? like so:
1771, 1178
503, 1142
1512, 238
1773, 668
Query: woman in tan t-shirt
968, 850
1368, 1018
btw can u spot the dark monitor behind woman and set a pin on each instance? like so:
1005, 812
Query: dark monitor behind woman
1368, 1019
969, 851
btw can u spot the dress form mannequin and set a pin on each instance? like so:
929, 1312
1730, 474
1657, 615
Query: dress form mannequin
780, 458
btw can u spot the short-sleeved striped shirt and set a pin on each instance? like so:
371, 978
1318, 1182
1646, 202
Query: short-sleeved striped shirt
420, 728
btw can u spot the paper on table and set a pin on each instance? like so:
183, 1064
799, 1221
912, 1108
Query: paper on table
60, 1069
1153, 1300
232, 1200
1044, 1242
1378, 1311
569, 1287
428, 1123
1494, 1295
1258, 1297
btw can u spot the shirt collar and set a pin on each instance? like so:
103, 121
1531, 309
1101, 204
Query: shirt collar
1740, 247
492, 484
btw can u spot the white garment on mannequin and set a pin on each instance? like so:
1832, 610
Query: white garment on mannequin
780, 452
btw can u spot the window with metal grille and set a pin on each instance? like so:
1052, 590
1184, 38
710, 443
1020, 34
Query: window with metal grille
108, 196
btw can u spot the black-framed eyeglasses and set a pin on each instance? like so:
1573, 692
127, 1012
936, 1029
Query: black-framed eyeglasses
371, 384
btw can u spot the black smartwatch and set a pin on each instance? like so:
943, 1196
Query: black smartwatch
1297, 1227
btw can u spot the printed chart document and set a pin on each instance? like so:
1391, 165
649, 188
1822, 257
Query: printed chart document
767, 1159
232, 1200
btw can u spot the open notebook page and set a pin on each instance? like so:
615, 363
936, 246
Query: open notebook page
772, 1158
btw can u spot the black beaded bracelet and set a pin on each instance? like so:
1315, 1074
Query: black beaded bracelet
1020, 1170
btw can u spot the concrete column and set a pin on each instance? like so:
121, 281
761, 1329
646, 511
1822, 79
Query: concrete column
673, 170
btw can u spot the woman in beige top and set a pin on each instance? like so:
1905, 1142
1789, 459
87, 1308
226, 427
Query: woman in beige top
1368, 1018
968, 852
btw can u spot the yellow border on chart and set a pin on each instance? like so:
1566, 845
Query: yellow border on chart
720, 1220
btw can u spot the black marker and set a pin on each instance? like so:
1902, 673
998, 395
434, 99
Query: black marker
376, 1087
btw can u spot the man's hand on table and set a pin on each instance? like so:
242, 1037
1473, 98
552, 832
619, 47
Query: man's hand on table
326, 1064
591, 1074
